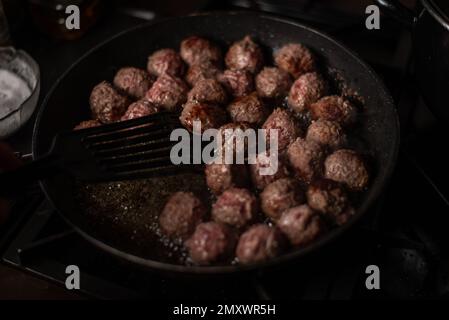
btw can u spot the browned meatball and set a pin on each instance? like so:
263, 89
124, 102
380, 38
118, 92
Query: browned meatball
168, 92
231, 142
236, 207
165, 61
273, 83
209, 91
201, 71
306, 159
139, 109
328, 197
107, 104
344, 216
238, 83
295, 59
181, 214
260, 243
348, 167
301, 225
245, 54
327, 133
284, 122
281, 195
195, 50
87, 124
211, 242
263, 161
250, 109
134, 82
334, 108
210, 116
220, 177
307, 89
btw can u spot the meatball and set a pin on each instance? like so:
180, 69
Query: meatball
284, 122
87, 124
168, 92
236, 207
307, 89
230, 143
139, 109
211, 242
281, 195
328, 197
209, 91
250, 109
348, 167
107, 104
263, 161
165, 61
344, 216
273, 83
181, 214
334, 108
306, 159
238, 83
201, 71
210, 116
195, 50
301, 225
260, 243
295, 59
245, 55
327, 133
134, 82
220, 177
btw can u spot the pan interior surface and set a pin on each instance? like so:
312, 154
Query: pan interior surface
115, 231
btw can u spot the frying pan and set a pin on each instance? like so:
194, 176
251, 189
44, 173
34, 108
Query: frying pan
67, 104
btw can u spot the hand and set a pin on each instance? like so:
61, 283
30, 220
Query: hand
8, 161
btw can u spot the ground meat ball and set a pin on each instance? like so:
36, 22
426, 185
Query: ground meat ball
220, 177
334, 108
328, 197
250, 109
209, 91
260, 243
273, 83
211, 242
348, 167
168, 92
295, 59
87, 124
307, 89
326, 133
107, 104
195, 50
281, 195
140, 108
245, 55
306, 159
181, 214
210, 116
201, 71
165, 61
284, 122
230, 142
263, 161
236, 207
237, 82
301, 225
134, 82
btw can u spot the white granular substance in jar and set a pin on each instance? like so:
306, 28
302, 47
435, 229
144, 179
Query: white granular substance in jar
13, 91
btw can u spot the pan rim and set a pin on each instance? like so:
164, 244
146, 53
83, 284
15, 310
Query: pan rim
374, 191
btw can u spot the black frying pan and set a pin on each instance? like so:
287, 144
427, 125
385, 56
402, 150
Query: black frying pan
67, 104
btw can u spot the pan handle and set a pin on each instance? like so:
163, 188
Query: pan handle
398, 11
13, 182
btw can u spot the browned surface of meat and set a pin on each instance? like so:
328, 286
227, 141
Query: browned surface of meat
307, 89
347, 166
263, 161
328, 197
201, 71
220, 177
288, 129
210, 116
334, 108
238, 83
327, 133
168, 92
209, 91
133, 81
250, 109
194, 50
166, 61
87, 124
236, 207
245, 54
295, 59
139, 109
273, 83
306, 159
107, 104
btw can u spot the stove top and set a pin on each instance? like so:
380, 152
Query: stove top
404, 234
